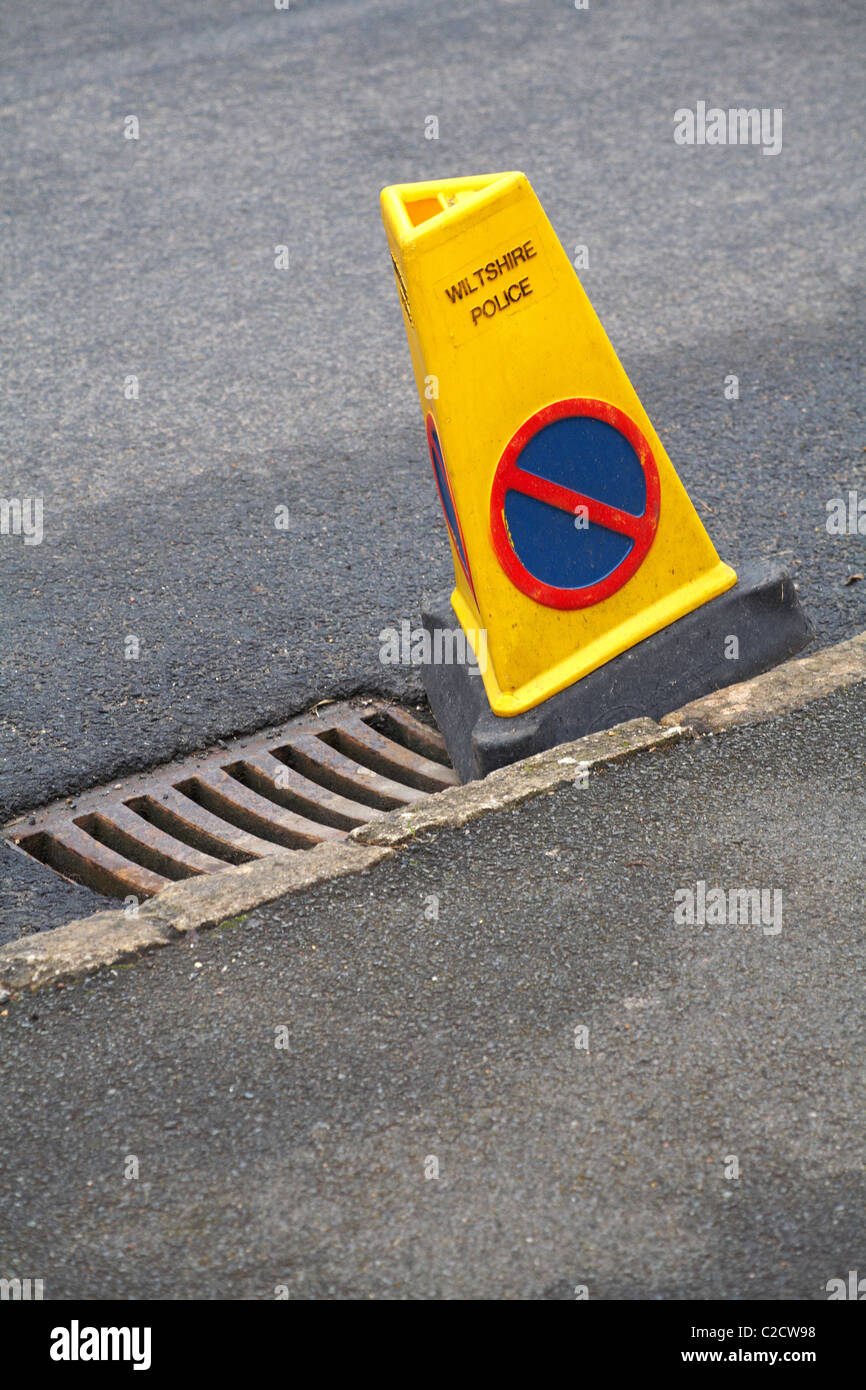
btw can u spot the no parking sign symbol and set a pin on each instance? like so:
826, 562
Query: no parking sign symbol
574, 505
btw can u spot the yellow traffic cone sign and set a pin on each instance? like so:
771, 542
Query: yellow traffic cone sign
573, 539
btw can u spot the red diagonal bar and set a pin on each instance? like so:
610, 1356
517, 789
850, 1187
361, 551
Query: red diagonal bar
568, 501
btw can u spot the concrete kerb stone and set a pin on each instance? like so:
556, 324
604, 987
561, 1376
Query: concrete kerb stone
778, 691
90, 944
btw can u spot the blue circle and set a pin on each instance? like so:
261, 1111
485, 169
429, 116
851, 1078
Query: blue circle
593, 458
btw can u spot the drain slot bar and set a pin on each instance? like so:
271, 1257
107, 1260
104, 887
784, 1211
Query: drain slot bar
346, 776
195, 826
118, 830
278, 782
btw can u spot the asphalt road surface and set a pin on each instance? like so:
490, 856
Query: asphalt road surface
259, 388
702, 1139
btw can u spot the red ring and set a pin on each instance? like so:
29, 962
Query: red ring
549, 594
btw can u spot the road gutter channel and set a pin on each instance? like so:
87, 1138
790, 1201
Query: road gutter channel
113, 937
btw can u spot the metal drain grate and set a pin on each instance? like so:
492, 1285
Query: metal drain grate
313, 779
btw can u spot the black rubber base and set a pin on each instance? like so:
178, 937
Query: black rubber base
678, 664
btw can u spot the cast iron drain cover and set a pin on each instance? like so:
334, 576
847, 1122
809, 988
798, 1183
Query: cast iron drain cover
315, 778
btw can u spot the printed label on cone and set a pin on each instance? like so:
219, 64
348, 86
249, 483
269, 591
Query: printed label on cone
574, 505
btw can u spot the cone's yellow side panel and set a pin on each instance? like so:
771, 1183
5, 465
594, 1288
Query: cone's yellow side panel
571, 534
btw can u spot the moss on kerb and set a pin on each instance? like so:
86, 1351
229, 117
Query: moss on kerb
232, 921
